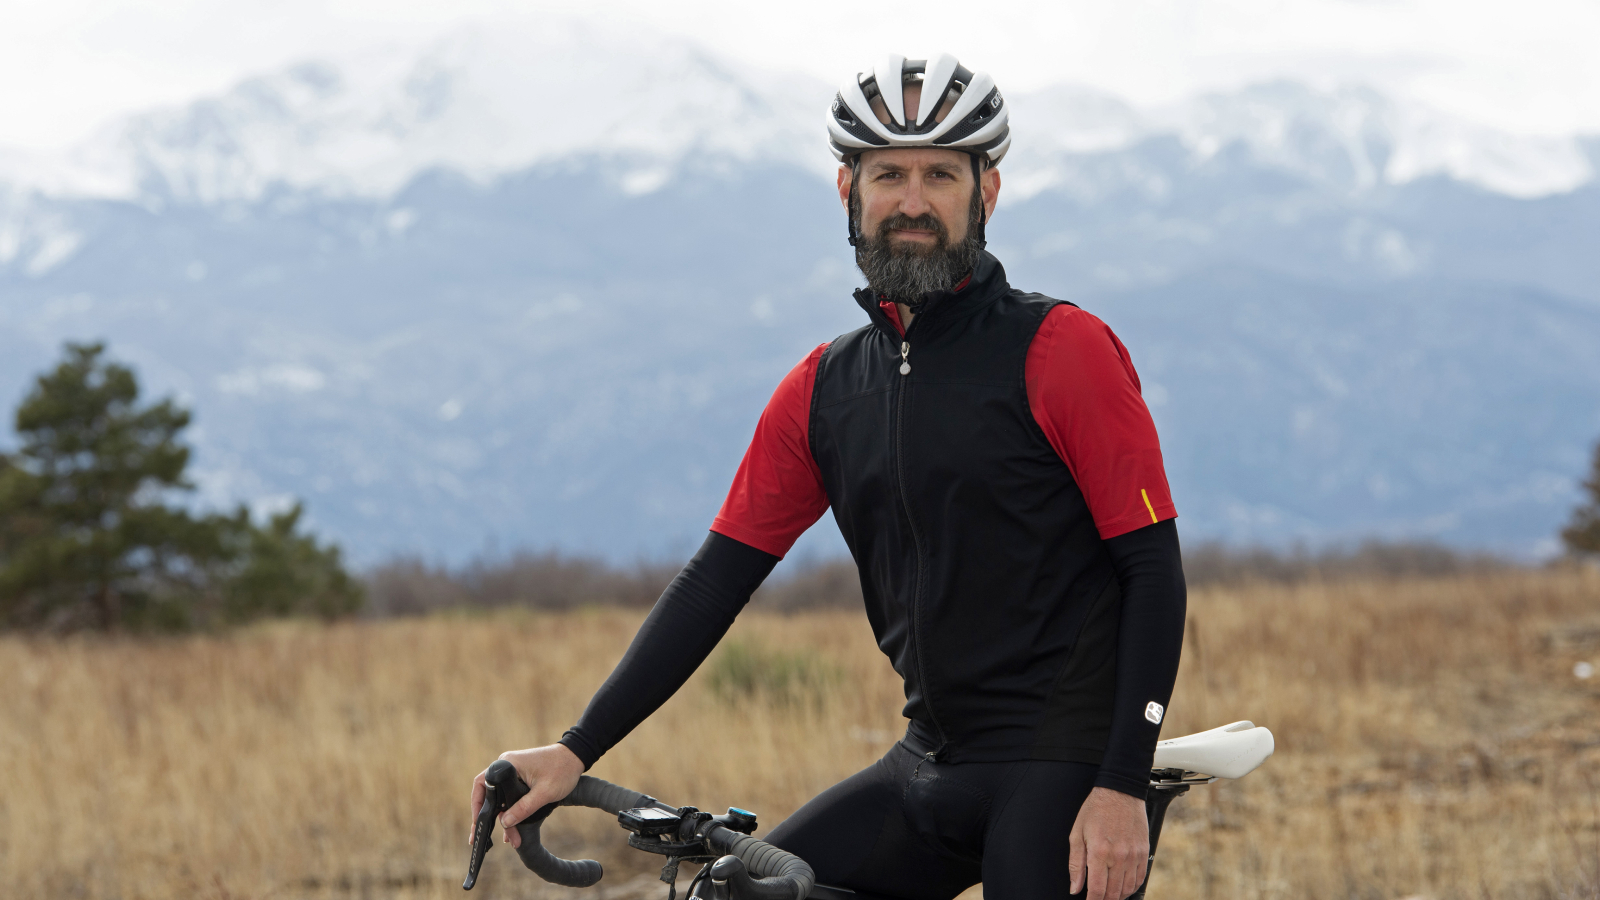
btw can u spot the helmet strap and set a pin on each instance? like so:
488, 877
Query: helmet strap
983, 208
853, 208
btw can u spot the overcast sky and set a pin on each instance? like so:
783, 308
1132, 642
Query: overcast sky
1528, 66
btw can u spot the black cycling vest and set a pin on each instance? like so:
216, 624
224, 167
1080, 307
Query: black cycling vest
985, 580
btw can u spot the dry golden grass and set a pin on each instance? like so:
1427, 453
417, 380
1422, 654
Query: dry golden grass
1432, 741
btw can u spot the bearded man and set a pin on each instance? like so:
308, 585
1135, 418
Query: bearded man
995, 473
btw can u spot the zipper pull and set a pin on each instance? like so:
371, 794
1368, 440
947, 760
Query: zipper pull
905, 358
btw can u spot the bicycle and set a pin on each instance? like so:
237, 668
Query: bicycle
743, 867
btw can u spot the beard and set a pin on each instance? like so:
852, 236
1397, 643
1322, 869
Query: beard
906, 271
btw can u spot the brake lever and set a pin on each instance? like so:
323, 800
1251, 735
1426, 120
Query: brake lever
502, 788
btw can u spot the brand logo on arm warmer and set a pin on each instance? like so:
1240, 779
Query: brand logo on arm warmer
1154, 712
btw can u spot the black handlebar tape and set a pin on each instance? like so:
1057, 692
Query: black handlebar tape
578, 873
597, 794
780, 875
730, 870
590, 792
509, 788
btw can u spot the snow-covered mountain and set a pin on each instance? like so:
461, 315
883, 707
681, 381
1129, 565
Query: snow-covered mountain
534, 286
486, 102
480, 102
1353, 139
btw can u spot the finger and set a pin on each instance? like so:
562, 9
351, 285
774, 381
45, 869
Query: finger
1126, 874
477, 805
1117, 887
1097, 875
1140, 871
1075, 858
531, 802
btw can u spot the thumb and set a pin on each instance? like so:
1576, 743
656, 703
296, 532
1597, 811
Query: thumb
534, 800
1077, 853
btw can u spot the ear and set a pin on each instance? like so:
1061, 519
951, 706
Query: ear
990, 184
844, 186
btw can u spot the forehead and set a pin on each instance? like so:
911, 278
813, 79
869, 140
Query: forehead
912, 158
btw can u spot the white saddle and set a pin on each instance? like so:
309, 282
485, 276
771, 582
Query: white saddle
1231, 751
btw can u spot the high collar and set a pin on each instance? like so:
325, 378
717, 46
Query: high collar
988, 281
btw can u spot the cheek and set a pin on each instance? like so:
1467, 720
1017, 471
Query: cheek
953, 212
877, 206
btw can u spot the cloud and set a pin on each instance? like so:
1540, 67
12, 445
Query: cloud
1527, 71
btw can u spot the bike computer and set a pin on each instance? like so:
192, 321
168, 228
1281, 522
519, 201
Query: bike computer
648, 820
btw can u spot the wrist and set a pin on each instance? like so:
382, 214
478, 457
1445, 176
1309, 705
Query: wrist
1136, 788
569, 760
585, 753
1121, 798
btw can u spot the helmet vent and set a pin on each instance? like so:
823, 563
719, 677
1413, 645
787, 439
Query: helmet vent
986, 110
841, 111
942, 115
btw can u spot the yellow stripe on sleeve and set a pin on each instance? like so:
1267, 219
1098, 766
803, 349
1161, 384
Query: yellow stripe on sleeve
1145, 494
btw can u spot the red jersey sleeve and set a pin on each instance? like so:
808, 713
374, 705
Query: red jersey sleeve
778, 493
1085, 394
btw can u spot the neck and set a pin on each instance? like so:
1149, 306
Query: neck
906, 315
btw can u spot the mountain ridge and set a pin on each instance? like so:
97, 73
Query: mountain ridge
573, 352
489, 102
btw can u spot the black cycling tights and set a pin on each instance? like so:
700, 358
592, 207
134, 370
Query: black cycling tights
909, 828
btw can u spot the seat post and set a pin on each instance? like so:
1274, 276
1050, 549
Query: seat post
1162, 792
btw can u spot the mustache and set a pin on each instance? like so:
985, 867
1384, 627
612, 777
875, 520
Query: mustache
924, 222
909, 270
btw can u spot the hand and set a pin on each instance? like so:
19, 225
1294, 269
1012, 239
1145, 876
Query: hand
1110, 845
551, 773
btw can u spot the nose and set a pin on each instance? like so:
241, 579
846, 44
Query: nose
914, 202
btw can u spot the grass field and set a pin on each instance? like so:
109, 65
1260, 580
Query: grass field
1433, 741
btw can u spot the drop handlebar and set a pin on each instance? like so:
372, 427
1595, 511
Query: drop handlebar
752, 867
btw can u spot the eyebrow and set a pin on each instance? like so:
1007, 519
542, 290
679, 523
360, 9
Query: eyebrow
936, 167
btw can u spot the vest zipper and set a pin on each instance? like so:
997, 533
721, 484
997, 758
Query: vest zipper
916, 540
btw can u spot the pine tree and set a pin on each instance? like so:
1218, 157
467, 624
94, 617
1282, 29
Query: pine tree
1582, 534
87, 535
85, 532
282, 572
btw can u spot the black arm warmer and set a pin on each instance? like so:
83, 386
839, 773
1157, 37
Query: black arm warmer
1154, 600
694, 612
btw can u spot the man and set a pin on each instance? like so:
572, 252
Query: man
998, 480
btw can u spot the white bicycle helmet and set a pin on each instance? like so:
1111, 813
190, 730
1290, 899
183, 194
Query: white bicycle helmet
975, 119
